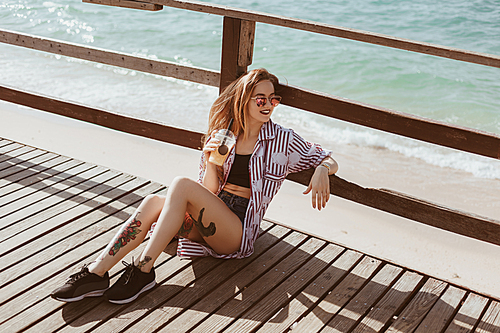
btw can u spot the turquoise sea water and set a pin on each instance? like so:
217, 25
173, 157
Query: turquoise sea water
441, 89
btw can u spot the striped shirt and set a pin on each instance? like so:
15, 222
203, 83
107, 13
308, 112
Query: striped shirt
278, 152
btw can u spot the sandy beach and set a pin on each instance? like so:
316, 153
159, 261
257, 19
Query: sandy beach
459, 260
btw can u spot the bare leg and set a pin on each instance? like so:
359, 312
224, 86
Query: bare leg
131, 234
214, 221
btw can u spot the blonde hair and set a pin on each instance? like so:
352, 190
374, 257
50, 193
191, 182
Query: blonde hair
232, 102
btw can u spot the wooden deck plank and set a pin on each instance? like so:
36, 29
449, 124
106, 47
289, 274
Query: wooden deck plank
359, 305
23, 165
17, 162
40, 200
9, 147
13, 229
34, 230
383, 312
46, 314
172, 277
12, 192
8, 184
276, 302
14, 153
61, 213
22, 292
468, 315
318, 289
62, 194
323, 311
233, 287
416, 310
490, 322
34, 241
155, 310
4, 142
439, 316
239, 305
27, 169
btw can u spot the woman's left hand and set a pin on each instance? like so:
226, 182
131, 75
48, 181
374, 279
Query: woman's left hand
319, 186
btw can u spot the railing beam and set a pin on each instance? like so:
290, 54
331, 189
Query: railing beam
336, 31
123, 60
127, 4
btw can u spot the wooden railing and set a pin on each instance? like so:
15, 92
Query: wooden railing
237, 55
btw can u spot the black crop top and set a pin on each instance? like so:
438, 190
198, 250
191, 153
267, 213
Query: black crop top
239, 174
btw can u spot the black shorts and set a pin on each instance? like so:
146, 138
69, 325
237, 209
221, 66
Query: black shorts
235, 203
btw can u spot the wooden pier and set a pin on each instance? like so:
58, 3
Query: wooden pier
58, 213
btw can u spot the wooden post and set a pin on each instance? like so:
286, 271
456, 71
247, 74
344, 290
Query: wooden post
237, 49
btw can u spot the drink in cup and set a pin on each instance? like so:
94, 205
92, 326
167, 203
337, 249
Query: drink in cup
227, 141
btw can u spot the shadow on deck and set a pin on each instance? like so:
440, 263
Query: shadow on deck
58, 213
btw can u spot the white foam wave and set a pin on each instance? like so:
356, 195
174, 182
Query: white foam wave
331, 133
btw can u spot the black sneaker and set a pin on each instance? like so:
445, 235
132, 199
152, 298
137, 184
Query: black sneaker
80, 285
130, 285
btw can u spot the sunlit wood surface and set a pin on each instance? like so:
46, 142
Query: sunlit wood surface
58, 213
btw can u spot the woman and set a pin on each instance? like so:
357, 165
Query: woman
220, 214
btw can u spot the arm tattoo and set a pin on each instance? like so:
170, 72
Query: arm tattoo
143, 262
129, 231
204, 231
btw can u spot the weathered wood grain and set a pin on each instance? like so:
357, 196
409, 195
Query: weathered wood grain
490, 322
411, 126
35, 286
439, 316
359, 305
123, 60
155, 310
236, 37
468, 315
12, 163
416, 310
336, 31
275, 305
59, 314
234, 287
382, 313
30, 176
453, 220
37, 201
318, 289
149, 129
292, 280
24, 169
127, 4
237, 306
324, 311
43, 236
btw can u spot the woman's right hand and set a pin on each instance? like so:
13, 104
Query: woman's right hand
210, 146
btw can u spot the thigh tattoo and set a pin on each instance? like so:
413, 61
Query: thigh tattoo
204, 231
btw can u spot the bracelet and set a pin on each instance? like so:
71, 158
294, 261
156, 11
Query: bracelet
326, 166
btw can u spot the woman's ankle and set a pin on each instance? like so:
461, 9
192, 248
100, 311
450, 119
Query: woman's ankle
94, 269
145, 264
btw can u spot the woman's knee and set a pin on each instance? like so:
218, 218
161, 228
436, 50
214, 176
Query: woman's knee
182, 185
153, 201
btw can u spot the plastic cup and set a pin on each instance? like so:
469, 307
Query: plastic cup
227, 141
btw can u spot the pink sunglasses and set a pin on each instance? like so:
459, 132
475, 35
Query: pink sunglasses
261, 100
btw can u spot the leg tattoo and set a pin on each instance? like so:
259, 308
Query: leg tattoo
128, 232
186, 227
143, 262
204, 231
